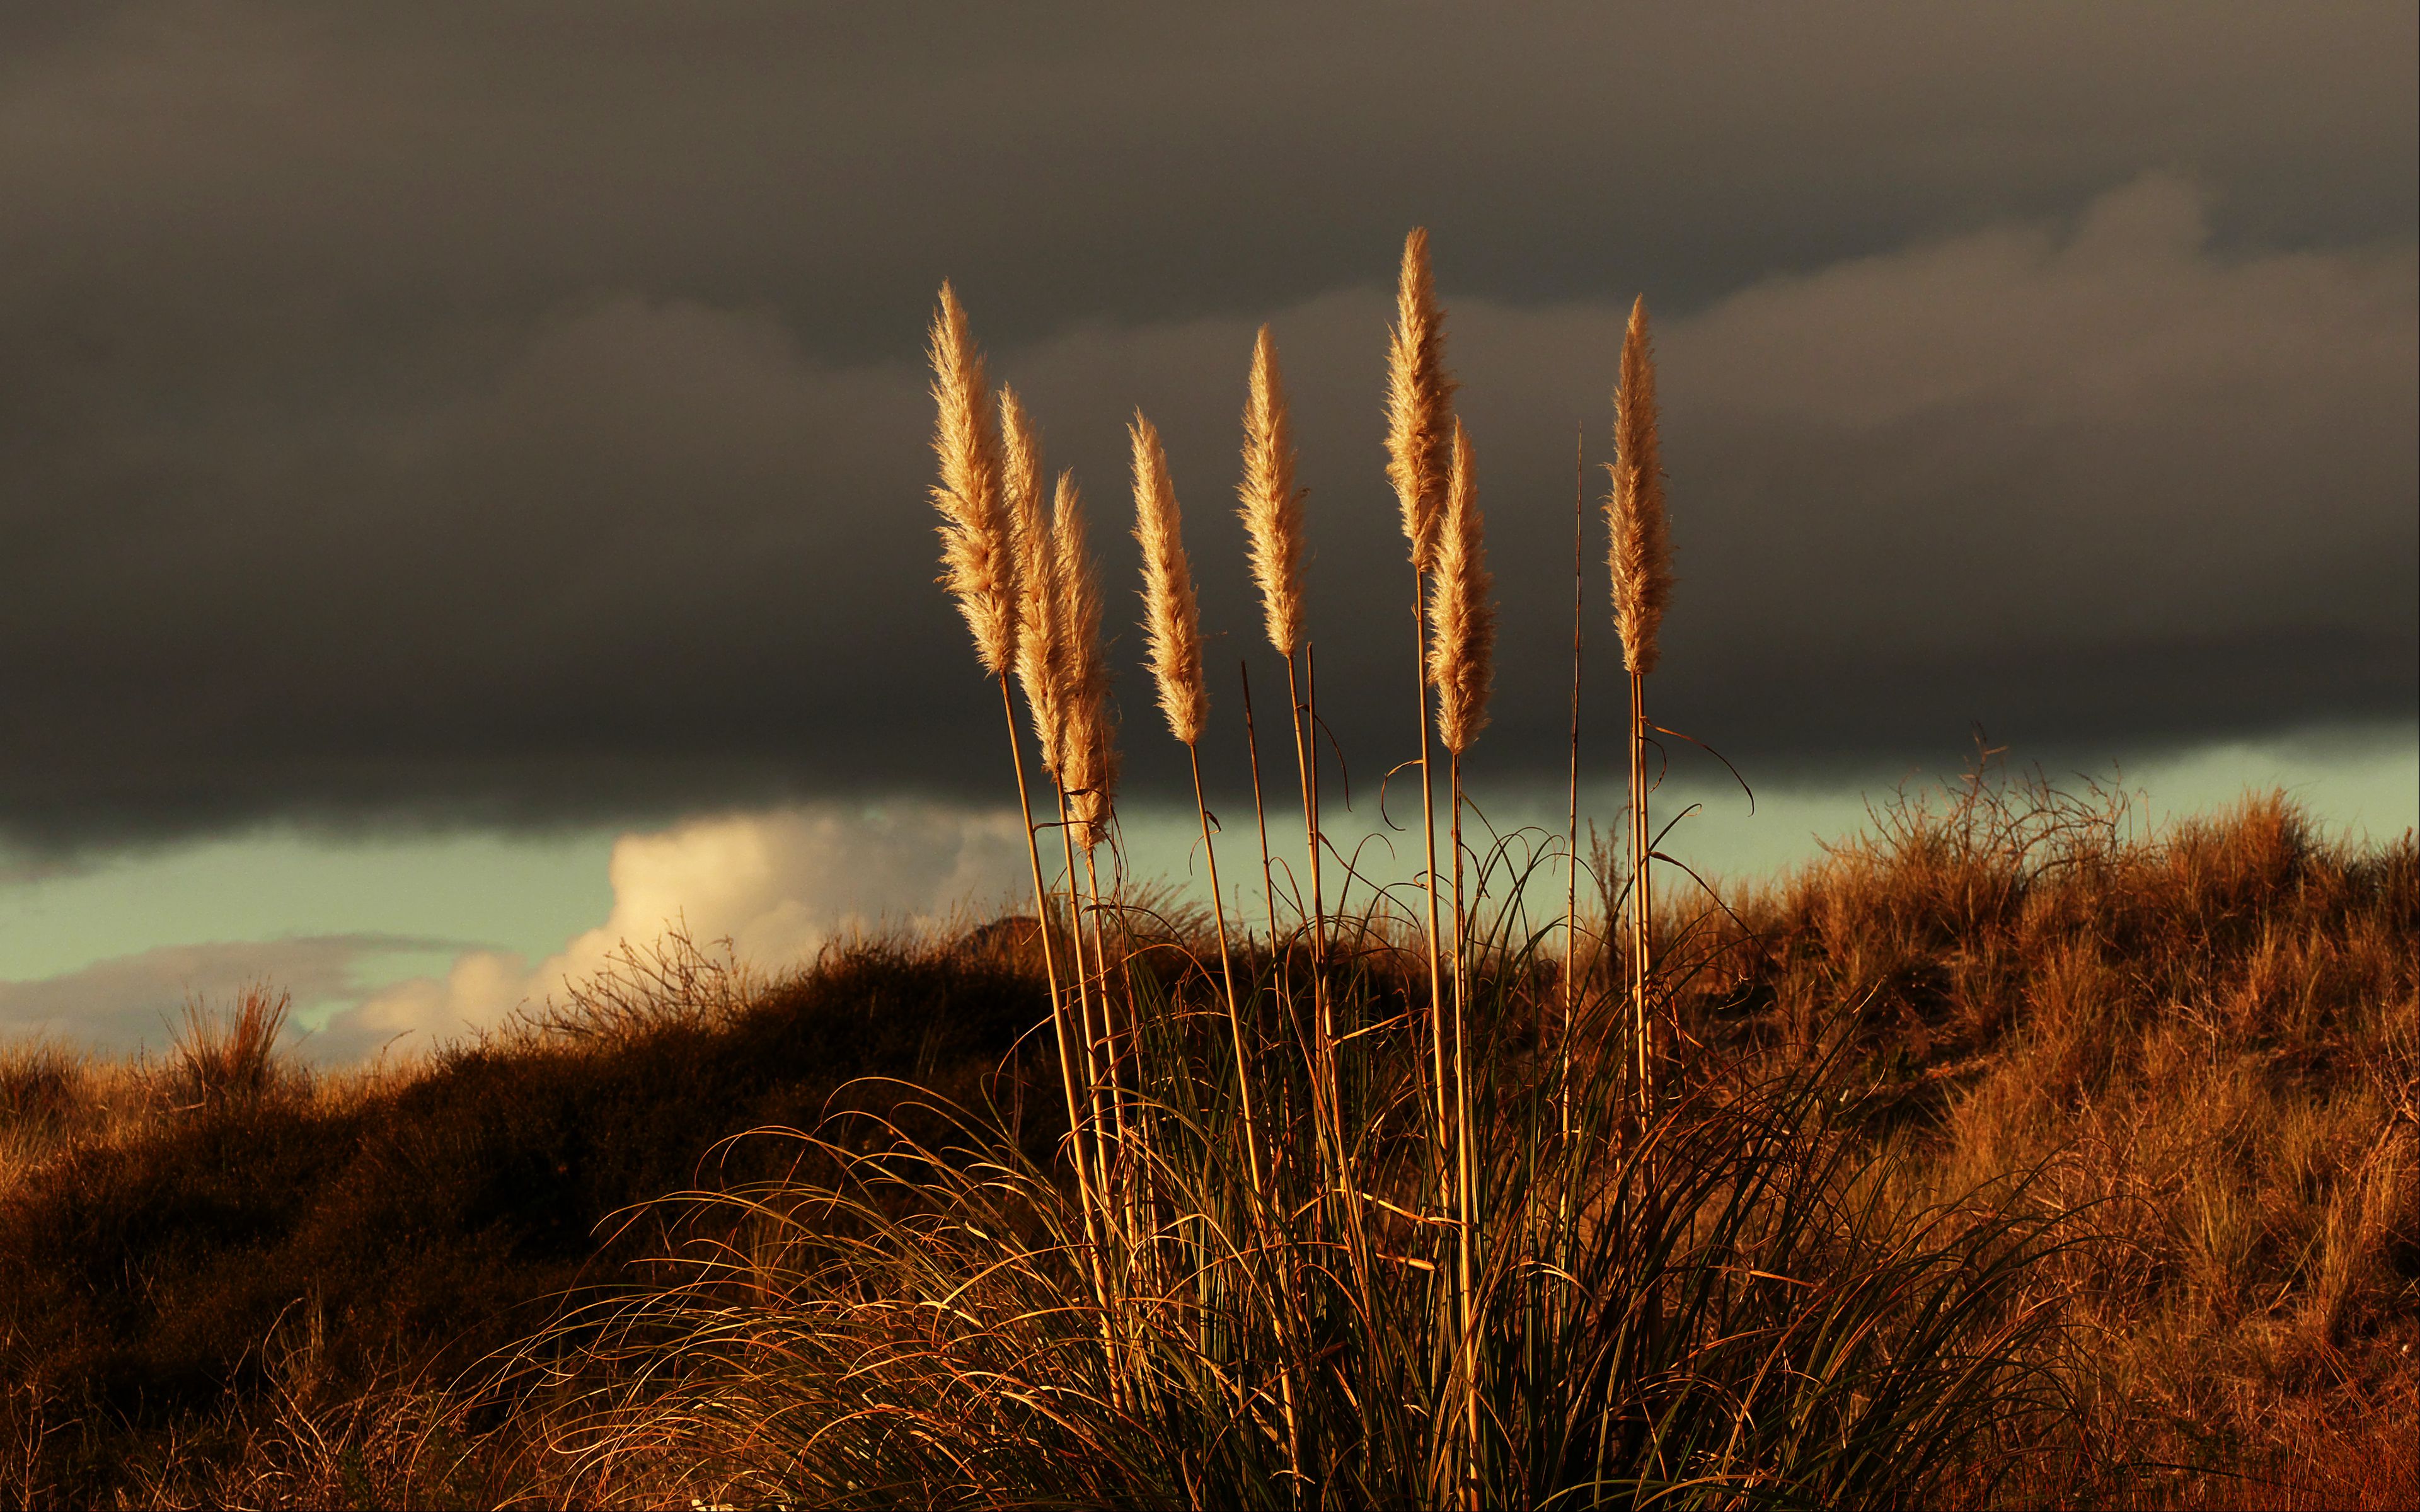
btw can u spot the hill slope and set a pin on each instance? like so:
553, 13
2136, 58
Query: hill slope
224, 1278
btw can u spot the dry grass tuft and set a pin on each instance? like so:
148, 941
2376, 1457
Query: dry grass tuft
279, 1300
230, 1056
2205, 1038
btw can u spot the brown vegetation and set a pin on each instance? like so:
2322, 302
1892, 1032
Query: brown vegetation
2205, 1042
2007, 1156
271, 1295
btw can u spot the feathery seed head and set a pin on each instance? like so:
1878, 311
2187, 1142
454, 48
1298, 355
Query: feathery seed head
1037, 602
1461, 655
1420, 402
1272, 507
978, 560
1641, 553
1172, 617
1087, 737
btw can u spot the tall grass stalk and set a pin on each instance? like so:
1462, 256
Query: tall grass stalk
1461, 665
1326, 1090
1077, 683
1418, 437
987, 539
1090, 770
1572, 831
1640, 558
1271, 509
1172, 620
1261, 814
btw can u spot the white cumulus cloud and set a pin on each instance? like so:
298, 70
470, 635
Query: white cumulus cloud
777, 885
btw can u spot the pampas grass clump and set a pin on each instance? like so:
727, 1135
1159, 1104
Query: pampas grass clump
1329, 1226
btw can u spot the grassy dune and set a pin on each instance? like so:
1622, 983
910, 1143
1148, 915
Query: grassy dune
2007, 1157
226, 1279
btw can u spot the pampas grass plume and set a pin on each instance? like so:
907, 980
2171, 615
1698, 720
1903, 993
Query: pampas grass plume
1641, 555
1462, 654
1272, 506
978, 560
1087, 739
1420, 401
1038, 650
1172, 617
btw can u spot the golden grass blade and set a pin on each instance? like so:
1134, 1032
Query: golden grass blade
1272, 506
1171, 616
1420, 400
1461, 648
978, 560
1641, 553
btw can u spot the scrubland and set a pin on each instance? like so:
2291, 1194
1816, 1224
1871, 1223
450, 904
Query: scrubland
229, 1280
2011, 1155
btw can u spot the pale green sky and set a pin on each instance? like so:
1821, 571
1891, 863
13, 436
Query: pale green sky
2353, 784
527, 894
530, 895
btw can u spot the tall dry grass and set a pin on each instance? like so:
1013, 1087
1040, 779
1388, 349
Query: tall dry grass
1639, 555
1364, 1254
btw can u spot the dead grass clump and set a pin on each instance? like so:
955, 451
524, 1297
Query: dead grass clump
230, 1055
2205, 1038
429, 1214
42, 1087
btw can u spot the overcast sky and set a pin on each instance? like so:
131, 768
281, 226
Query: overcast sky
512, 413
508, 418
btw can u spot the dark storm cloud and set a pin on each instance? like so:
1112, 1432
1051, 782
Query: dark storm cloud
511, 414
